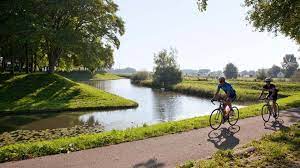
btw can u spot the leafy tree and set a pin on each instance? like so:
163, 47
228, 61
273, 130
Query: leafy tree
87, 28
272, 72
261, 74
271, 15
166, 71
230, 71
289, 65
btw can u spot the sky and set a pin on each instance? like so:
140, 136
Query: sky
203, 40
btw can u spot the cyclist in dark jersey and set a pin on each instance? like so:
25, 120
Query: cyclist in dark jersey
272, 92
229, 91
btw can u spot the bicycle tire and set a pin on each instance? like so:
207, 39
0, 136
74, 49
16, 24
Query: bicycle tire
236, 114
265, 113
277, 112
216, 119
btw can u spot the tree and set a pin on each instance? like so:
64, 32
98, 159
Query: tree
272, 72
88, 28
275, 16
166, 71
230, 71
271, 15
289, 65
261, 74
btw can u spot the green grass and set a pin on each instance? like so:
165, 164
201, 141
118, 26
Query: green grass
280, 149
247, 91
106, 76
52, 92
63, 145
85, 76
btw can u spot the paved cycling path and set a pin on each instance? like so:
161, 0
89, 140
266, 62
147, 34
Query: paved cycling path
164, 151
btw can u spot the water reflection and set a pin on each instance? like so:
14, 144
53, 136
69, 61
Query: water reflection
154, 106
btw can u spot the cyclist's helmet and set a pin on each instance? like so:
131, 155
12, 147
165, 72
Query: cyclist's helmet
268, 80
221, 79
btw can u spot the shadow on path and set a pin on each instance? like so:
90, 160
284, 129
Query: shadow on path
224, 138
151, 163
275, 125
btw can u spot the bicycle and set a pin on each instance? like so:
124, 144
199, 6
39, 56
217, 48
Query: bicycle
267, 110
217, 116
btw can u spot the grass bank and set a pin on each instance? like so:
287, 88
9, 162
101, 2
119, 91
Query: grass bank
247, 91
64, 145
85, 76
280, 149
53, 93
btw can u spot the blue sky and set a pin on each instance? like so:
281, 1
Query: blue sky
203, 40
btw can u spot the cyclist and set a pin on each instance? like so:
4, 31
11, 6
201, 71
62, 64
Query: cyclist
229, 96
272, 95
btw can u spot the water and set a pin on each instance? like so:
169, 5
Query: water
154, 106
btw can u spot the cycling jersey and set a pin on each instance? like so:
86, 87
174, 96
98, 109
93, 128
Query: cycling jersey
272, 91
228, 89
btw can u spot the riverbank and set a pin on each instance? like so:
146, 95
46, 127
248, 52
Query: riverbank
22, 136
82, 142
86, 76
280, 149
42, 92
247, 91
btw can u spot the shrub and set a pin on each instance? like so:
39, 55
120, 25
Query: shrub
140, 76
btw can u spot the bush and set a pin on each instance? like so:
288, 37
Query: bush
231, 71
296, 76
166, 72
261, 74
140, 76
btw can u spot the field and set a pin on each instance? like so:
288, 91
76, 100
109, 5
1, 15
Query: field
247, 91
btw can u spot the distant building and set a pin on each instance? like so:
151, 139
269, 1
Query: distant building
280, 75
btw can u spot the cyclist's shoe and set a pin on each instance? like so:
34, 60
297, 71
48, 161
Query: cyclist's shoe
225, 118
231, 113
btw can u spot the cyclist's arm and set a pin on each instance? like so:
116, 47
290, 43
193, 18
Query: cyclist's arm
262, 92
217, 92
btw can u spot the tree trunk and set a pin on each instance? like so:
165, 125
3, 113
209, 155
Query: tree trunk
53, 57
35, 63
51, 64
12, 61
27, 58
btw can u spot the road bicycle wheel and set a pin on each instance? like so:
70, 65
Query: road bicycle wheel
234, 116
265, 112
277, 111
215, 119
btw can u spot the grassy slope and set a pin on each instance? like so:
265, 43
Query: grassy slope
63, 145
46, 92
280, 149
85, 76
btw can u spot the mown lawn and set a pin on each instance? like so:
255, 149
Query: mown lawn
280, 149
52, 92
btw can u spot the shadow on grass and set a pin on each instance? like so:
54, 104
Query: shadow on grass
224, 138
151, 163
41, 91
